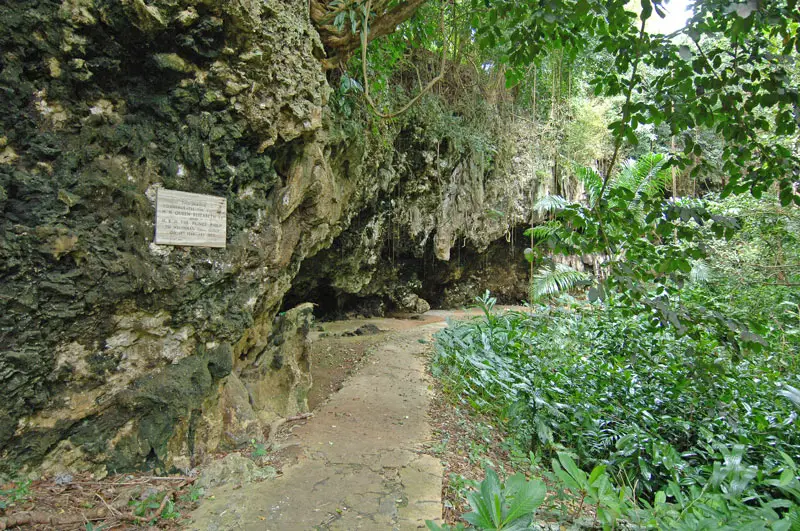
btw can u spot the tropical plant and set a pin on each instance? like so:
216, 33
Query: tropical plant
721, 500
496, 505
637, 182
645, 178
621, 390
555, 279
694, 433
594, 489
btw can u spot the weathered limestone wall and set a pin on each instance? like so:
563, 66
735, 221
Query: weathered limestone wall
118, 354
451, 229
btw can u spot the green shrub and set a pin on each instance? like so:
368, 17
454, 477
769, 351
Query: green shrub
619, 390
497, 505
689, 418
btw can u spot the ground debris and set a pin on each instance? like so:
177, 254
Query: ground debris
114, 502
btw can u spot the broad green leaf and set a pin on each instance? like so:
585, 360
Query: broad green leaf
524, 496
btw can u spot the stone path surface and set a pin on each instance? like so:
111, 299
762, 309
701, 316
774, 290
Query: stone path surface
360, 461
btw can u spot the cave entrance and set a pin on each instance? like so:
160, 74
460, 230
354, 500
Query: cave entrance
404, 274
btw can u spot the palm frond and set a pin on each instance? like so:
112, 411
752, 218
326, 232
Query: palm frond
645, 176
592, 183
551, 280
550, 204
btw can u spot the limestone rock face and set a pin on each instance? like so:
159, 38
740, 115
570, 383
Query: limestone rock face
119, 354
451, 229
116, 353
276, 371
237, 416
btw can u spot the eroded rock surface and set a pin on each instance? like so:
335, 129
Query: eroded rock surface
452, 228
116, 353
120, 354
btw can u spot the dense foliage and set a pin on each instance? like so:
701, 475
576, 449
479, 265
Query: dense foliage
619, 390
733, 69
675, 413
722, 91
663, 413
646, 249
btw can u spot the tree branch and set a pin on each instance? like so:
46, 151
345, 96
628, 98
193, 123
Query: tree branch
364, 42
340, 44
626, 114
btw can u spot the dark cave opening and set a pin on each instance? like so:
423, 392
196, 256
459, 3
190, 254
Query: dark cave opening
405, 270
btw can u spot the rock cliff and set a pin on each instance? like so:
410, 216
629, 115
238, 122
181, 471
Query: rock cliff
119, 354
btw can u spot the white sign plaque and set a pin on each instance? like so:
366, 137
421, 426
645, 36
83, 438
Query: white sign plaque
190, 219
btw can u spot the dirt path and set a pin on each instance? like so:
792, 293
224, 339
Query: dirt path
358, 462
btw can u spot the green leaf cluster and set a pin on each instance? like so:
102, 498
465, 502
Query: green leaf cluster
508, 506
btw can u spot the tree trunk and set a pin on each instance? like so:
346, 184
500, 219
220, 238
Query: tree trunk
339, 44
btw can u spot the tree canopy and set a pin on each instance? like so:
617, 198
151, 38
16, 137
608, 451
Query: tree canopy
732, 69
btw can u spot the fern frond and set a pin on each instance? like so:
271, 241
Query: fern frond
551, 280
544, 231
550, 204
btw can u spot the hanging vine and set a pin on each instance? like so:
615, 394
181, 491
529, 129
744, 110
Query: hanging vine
365, 30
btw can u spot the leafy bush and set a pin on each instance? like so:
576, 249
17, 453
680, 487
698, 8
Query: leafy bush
622, 391
680, 380
663, 413
507, 506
